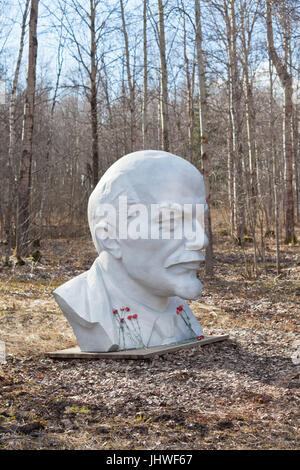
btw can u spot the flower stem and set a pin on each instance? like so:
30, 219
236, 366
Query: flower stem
188, 323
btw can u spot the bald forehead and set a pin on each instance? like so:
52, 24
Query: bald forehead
151, 164
146, 177
152, 176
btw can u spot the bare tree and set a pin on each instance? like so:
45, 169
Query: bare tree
45, 172
235, 95
87, 57
248, 19
204, 136
164, 113
274, 167
189, 84
24, 181
93, 92
286, 82
130, 82
145, 84
12, 136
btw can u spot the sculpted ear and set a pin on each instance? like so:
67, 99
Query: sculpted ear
107, 241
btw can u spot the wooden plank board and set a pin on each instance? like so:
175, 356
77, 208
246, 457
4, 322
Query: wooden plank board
76, 353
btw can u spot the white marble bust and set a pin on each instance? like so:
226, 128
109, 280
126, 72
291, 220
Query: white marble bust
133, 294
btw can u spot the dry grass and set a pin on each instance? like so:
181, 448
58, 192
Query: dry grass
240, 394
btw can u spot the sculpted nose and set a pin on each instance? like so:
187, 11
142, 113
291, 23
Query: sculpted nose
198, 241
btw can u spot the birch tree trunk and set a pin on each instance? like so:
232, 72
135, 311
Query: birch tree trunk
130, 81
295, 136
145, 84
246, 33
12, 138
274, 169
246, 37
190, 103
286, 82
203, 136
164, 114
93, 94
24, 182
235, 94
296, 160
230, 164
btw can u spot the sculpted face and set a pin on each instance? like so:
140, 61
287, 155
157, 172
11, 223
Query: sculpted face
145, 266
168, 267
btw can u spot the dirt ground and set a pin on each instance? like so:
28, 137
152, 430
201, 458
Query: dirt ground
239, 394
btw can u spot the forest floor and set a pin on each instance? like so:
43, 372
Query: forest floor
242, 393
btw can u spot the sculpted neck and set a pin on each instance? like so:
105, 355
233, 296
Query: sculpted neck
117, 275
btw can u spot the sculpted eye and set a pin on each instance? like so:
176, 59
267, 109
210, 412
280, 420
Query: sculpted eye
171, 223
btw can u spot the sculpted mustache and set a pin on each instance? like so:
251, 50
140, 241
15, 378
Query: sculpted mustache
191, 257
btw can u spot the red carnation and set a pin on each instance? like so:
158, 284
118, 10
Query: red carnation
211, 333
178, 311
199, 338
134, 316
127, 309
130, 317
122, 320
115, 311
180, 308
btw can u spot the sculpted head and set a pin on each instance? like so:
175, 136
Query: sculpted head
130, 212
